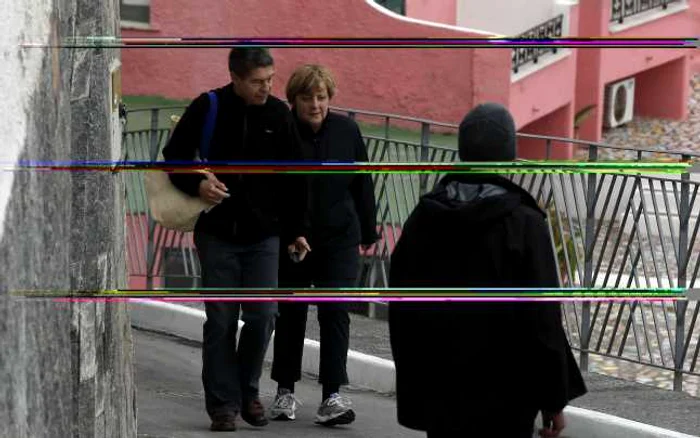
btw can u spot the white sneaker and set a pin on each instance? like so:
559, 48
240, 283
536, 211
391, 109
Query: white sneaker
335, 410
284, 408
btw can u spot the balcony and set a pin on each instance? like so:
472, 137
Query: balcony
552, 28
622, 9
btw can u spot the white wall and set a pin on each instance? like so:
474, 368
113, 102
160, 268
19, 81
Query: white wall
510, 17
21, 22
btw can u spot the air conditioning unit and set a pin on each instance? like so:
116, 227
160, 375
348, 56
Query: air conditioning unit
619, 103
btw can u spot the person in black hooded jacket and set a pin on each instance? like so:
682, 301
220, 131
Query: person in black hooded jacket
342, 216
480, 369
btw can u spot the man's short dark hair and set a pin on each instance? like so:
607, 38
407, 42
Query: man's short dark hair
242, 60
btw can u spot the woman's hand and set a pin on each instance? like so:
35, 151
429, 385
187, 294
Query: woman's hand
299, 249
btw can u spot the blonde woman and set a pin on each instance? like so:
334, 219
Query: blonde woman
342, 216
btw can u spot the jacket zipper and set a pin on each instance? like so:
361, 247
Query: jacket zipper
245, 131
240, 176
318, 156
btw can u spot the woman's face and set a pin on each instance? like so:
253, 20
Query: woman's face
312, 108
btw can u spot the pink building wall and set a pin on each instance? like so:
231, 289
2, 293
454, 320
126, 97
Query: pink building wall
547, 89
443, 11
437, 84
598, 67
544, 91
557, 123
427, 83
695, 18
542, 103
653, 99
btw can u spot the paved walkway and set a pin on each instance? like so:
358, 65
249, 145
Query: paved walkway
621, 397
624, 398
171, 401
631, 396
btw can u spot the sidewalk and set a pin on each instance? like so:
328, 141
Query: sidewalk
621, 398
170, 400
630, 400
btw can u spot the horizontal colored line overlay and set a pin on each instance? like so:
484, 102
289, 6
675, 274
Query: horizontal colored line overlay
390, 291
322, 42
370, 300
672, 167
365, 294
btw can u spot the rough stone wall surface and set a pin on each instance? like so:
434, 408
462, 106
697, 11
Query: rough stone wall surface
65, 367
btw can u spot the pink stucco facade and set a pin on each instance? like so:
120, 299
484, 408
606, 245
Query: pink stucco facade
443, 11
543, 102
661, 75
570, 85
438, 84
694, 57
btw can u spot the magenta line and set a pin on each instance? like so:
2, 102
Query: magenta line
337, 299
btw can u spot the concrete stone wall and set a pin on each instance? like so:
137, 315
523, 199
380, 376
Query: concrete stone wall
65, 367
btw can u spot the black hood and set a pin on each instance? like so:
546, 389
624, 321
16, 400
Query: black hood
475, 199
487, 133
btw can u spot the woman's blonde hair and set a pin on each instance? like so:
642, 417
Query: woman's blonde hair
308, 77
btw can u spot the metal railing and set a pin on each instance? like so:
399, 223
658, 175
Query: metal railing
608, 231
622, 9
552, 28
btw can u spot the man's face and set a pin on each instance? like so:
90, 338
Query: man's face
256, 87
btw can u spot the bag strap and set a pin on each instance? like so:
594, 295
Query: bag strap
208, 126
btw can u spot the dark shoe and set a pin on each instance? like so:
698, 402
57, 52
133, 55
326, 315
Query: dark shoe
223, 423
254, 414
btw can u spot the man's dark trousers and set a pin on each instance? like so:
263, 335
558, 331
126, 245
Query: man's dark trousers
322, 267
231, 376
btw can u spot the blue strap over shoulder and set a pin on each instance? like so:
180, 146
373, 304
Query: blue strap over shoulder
208, 126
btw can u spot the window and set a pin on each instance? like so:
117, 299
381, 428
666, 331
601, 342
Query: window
135, 11
398, 6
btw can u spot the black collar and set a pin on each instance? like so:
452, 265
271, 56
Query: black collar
305, 130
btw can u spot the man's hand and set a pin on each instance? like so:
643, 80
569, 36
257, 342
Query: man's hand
553, 424
300, 247
212, 190
366, 246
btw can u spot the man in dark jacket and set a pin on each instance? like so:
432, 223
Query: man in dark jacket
480, 369
238, 240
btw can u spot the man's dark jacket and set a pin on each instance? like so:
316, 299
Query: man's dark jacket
260, 206
342, 208
470, 362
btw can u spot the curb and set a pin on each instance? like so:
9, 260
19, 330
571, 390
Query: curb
593, 424
185, 322
376, 373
